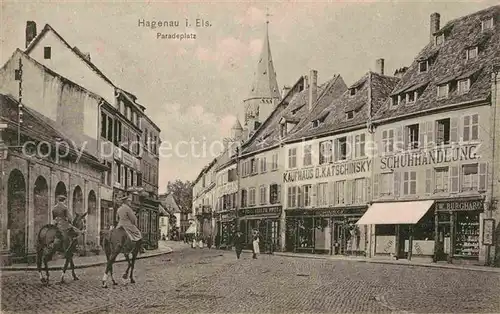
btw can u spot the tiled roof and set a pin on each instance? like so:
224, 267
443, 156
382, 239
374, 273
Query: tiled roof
334, 105
449, 64
169, 203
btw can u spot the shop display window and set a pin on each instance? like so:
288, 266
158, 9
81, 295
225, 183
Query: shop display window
467, 234
424, 229
305, 232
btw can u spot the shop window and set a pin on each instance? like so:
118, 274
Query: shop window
341, 148
385, 230
424, 229
409, 183
305, 233
339, 192
388, 140
467, 234
411, 132
441, 180
307, 155
274, 191
292, 157
292, 196
470, 177
322, 194
471, 127
359, 145
443, 131
325, 152
263, 194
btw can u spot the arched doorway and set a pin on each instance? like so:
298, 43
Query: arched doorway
60, 190
16, 208
41, 204
92, 217
78, 208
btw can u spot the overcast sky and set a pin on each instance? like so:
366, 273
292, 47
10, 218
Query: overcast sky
193, 89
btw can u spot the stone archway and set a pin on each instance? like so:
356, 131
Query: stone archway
78, 200
60, 190
16, 209
92, 217
41, 204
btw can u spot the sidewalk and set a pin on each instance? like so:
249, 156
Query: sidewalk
376, 260
164, 247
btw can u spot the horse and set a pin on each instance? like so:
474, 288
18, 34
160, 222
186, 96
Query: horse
45, 247
117, 241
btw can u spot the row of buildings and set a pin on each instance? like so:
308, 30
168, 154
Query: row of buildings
69, 129
404, 165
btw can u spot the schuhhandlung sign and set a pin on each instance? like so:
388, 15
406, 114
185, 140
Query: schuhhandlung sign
325, 171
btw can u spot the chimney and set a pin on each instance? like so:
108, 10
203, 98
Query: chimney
313, 88
434, 27
87, 56
379, 66
284, 91
30, 32
400, 72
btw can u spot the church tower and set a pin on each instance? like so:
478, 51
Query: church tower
265, 94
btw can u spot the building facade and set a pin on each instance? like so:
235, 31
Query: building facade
203, 201
433, 187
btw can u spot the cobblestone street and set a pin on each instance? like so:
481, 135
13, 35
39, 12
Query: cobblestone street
209, 281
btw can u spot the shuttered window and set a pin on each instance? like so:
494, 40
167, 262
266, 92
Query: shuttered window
348, 192
322, 194
470, 127
375, 183
397, 183
409, 183
428, 181
454, 179
339, 192
470, 177
483, 173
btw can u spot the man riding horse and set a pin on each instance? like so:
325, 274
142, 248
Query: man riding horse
62, 219
127, 219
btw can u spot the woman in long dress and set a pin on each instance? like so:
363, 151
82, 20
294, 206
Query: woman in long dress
255, 245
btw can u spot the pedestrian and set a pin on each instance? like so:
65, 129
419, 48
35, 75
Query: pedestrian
238, 244
255, 244
209, 241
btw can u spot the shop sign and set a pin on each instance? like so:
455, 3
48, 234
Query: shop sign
260, 210
429, 157
464, 205
326, 171
488, 231
117, 153
343, 211
129, 160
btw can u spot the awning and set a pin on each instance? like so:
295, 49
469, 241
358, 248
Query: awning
395, 213
191, 229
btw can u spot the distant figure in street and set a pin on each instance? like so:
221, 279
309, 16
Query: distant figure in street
217, 241
255, 244
238, 243
209, 241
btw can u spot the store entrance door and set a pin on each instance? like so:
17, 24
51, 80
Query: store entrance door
442, 246
339, 238
404, 239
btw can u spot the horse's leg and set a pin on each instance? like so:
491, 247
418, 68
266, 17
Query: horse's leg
46, 265
39, 258
109, 269
134, 256
72, 263
125, 276
64, 269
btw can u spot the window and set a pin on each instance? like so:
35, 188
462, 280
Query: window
471, 53
263, 195
129, 113
487, 24
395, 100
388, 140
412, 136
443, 132
283, 130
110, 129
463, 86
440, 39
442, 91
359, 145
263, 164
339, 192
307, 191
292, 158
47, 52
386, 184
104, 122
471, 127
423, 66
325, 152
350, 115
146, 137
274, 194
341, 148
410, 97
470, 177
358, 191
274, 164
244, 199
118, 132
307, 155
352, 91
251, 198
253, 166
409, 183
134, 117
323, 194
441, 180
292, 196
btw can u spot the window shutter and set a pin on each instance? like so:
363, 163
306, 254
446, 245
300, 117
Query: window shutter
454, 130
355, 193
350, 147
454, 179
368, 195
483, 170
347, 192
375, 194
422, 130
331, 193
397, 183
279, 193
314, 194
400, 141
428, 181
300, 198
256, 165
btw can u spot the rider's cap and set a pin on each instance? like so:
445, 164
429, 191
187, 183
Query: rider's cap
61, 197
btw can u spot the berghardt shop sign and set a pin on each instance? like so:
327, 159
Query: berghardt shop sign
460, 205
430, 157
326, 171
260, 210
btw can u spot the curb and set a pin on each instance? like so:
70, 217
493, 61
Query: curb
454, 267
87, 265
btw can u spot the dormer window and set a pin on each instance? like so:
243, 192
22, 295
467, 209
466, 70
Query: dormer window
487, 24
423, 66
442, 91
352, 91
283, 130
463, 86
410, 97
471, 53
440, 39
315, 123
350, 115
395, 100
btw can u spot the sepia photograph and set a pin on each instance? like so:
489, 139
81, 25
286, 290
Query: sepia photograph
305, 156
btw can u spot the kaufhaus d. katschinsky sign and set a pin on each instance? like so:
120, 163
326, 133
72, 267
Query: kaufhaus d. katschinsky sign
325, 171
430, 157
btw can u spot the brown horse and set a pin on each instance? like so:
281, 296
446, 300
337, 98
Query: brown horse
45, 247
114, 242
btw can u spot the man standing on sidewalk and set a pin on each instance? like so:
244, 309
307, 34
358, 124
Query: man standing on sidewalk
238, 243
